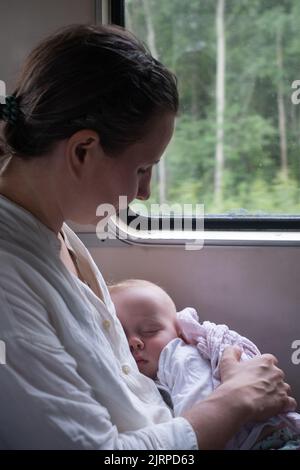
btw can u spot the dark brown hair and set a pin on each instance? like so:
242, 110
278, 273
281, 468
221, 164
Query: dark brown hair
87, 77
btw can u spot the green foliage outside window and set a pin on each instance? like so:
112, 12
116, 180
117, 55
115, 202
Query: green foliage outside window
259, 152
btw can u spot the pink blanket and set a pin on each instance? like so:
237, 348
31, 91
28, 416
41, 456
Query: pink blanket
212, 339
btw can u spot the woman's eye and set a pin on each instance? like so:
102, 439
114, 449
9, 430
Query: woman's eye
141, 171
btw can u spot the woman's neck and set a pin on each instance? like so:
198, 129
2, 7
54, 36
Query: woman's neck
28, 184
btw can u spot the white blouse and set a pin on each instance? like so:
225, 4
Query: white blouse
70, 381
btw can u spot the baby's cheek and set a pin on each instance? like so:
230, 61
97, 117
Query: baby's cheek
158, 345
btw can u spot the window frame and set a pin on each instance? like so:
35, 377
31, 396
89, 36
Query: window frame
226, 222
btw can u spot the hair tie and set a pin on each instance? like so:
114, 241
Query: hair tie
9, 111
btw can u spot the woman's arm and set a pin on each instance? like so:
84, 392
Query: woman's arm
46, 404
252, 390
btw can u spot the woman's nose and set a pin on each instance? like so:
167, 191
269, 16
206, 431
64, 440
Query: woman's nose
136, 344
144, 190
144, 193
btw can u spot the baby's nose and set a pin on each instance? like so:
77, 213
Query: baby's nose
136, 344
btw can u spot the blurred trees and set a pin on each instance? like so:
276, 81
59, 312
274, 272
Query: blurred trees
237, 142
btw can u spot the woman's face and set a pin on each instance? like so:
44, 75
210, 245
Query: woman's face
128, 174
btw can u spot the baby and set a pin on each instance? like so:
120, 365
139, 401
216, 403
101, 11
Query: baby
159, 340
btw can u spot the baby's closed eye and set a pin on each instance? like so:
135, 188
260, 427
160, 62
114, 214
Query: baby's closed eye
149, 332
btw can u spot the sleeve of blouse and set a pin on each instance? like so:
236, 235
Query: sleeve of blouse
46, 404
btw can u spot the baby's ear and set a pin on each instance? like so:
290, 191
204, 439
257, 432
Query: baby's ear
179, 332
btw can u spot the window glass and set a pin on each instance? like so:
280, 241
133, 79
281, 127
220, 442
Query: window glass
236, 148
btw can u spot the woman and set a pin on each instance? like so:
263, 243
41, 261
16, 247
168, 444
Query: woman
91, 114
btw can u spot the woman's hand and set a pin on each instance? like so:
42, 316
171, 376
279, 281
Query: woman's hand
251, 390
260, 381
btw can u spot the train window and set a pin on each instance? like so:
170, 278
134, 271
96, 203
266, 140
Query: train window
236, 148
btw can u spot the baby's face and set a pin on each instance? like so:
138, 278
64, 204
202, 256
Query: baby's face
148, 317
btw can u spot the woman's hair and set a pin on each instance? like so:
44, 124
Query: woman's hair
87, 77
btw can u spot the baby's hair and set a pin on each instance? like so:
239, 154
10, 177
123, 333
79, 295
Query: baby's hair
126, 283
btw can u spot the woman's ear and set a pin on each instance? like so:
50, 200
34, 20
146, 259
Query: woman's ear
80, 150
82, 147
